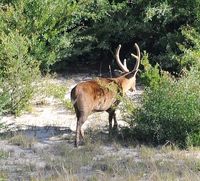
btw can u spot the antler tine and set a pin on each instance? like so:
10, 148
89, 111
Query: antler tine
137, 57
122, 66
125, 63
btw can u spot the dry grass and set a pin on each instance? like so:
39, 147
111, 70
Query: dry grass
99, 160
147, 152
152, 164
22, 140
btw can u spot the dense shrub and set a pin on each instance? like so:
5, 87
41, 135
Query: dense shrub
18, 70
190, 48
41, 22
171, 111
155, 26
53, 27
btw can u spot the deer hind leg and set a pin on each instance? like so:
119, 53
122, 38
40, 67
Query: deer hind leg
79, 131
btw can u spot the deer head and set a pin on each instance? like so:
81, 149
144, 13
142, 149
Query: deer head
131, 75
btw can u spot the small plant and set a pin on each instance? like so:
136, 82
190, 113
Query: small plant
48, 88
3, 176
22, 140
128, 108
4, 154
68, 105
193, 139
150, 76
57, 91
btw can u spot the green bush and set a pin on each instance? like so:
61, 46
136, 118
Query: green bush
150, 76
53, 27
190, 49
41, 22
171, 111
4, 99
193, 139
18, 70
155, 26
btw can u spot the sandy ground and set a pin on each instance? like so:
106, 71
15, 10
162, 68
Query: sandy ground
54, 115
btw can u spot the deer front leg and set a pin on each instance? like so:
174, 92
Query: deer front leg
110, 122
112, 116
115, 121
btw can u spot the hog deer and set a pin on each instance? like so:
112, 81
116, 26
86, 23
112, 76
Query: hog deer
102, 94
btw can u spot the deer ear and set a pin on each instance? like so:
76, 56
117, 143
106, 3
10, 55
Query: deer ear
131, 74
118, 72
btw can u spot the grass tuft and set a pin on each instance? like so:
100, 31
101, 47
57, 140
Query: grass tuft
22, 140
